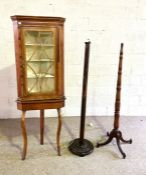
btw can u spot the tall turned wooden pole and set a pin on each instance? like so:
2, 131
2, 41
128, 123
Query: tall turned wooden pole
115, 133
118, 90
81, 146
84, 92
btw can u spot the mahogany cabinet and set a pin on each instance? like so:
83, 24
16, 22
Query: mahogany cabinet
39, 45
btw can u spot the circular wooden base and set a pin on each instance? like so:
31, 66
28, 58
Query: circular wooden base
81, 148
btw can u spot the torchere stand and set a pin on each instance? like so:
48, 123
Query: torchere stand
81, 146
116, 133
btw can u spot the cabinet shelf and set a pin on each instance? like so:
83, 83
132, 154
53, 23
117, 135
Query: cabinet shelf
41, 75
41, 45
42, 60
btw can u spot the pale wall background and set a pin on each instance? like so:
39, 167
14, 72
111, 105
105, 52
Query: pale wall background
106, 23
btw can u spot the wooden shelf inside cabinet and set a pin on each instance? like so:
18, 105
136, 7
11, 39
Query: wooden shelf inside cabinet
41, 75
42, 45
39, 47
42, 60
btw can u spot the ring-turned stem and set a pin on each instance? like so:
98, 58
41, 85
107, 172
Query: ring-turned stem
115, 133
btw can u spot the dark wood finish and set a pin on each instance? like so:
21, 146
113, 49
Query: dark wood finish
81, 146
84, 91
118, 90
115, 133
39, 101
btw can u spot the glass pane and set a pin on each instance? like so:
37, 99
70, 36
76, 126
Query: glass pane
40, 61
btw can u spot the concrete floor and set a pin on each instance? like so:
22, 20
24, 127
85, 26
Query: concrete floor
43, 159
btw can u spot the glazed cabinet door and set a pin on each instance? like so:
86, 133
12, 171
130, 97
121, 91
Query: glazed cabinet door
40, 55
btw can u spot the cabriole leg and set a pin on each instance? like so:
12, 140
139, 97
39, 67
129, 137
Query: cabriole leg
24, 134
59, 131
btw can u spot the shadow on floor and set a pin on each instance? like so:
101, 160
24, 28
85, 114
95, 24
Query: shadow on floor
11, 129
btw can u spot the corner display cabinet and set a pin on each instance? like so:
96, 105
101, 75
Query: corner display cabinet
39, 65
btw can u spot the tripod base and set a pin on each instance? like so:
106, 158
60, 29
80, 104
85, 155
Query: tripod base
115, 133
81, 148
